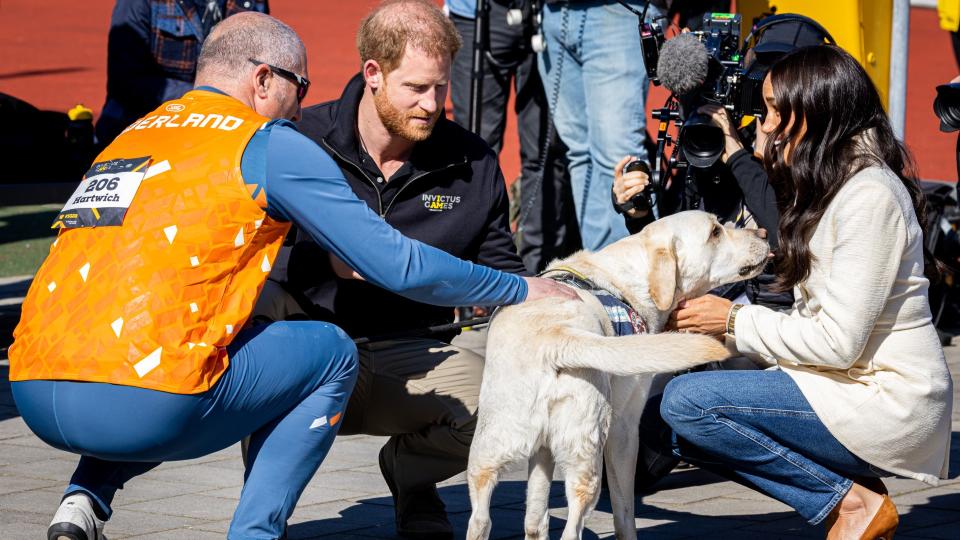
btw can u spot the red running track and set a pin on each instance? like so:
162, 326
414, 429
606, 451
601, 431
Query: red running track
53, 55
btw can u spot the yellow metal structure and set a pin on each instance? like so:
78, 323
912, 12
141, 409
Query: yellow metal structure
861, 27
949, 13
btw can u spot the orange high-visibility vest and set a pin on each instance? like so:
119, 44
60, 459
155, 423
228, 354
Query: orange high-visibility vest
154, 302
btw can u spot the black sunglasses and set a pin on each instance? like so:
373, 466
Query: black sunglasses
302, 83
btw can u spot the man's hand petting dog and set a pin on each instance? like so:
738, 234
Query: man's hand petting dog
704, 315
538, 288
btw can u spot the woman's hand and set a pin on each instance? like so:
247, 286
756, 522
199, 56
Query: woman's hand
627, 186
704, 315
731, 141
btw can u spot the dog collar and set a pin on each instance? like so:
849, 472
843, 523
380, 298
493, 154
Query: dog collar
626, 321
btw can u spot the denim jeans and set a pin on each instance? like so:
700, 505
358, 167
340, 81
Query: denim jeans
756, 427
288, 384
547, 226
596, 86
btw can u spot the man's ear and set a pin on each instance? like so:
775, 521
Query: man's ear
372, 74
662, 276
262, 78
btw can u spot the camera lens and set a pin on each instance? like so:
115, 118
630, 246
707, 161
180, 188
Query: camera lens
702, 141
947, 106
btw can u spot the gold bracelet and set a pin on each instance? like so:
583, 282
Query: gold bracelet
732, 318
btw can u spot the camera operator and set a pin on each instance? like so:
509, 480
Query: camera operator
735, 188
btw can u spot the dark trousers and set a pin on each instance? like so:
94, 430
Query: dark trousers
547, 221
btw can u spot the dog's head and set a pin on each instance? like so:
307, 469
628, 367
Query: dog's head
690, 253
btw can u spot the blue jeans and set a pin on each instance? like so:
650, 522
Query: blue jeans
596, 85
287, 384
756, 427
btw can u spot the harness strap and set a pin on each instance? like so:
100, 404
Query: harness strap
626, 321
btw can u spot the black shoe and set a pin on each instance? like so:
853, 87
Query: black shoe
419, 513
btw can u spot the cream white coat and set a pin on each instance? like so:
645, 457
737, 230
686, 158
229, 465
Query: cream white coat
859, 341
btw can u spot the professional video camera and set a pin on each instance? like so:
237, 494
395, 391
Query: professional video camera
947, 108
704, 67
708, 66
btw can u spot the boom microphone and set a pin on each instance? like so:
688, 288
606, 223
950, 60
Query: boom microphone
684, 64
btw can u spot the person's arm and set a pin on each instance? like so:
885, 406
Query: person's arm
758, 194
870, 233
304, 185
497, 249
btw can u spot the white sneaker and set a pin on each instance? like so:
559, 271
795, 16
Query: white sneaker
75, 520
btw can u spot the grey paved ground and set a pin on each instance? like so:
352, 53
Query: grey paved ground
348, 499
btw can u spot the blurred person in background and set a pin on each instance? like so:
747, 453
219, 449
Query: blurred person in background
152, 52
546, 227
592, 64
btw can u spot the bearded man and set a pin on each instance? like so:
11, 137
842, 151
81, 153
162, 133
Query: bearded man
433, 181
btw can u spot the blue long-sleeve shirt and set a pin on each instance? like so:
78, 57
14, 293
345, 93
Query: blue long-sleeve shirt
305, 186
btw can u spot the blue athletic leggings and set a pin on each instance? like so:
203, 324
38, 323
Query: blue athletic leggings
287, 384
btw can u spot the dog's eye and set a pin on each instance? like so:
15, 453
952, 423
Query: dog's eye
716, 231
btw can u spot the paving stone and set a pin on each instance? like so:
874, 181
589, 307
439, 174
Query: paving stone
946, 498
200, 474
313, 494
946, 531
60, 469
913, 518
181, 534
13, 427
127, 522
37, 500
374, 511
15, 454
197, 506
685, 496
752, 510
146, 488
14, 484
17, 525
329, 529
352, 481
791, 525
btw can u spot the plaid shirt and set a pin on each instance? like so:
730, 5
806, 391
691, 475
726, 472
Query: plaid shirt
152, 53
177, 30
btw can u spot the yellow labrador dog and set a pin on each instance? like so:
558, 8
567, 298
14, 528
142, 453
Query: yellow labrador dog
558, 382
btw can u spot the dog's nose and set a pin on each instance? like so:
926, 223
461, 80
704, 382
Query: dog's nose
762, 233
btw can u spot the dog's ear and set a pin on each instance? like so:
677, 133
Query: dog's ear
662, 278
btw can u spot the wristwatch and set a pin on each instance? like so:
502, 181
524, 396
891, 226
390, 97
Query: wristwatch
732, 319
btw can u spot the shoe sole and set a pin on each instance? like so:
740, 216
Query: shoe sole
66, 531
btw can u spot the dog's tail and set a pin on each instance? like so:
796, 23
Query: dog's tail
573, 348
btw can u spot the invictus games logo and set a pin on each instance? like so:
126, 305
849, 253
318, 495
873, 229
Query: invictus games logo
440, 203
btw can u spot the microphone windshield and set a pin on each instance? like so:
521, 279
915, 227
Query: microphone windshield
684, 64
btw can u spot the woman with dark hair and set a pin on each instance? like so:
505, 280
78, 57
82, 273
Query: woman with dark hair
860, 388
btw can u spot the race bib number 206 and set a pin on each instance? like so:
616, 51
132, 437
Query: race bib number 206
104, 195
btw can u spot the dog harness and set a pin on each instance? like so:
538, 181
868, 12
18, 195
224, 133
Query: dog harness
626, 321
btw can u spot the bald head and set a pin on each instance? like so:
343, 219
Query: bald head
395, 25
228, 49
